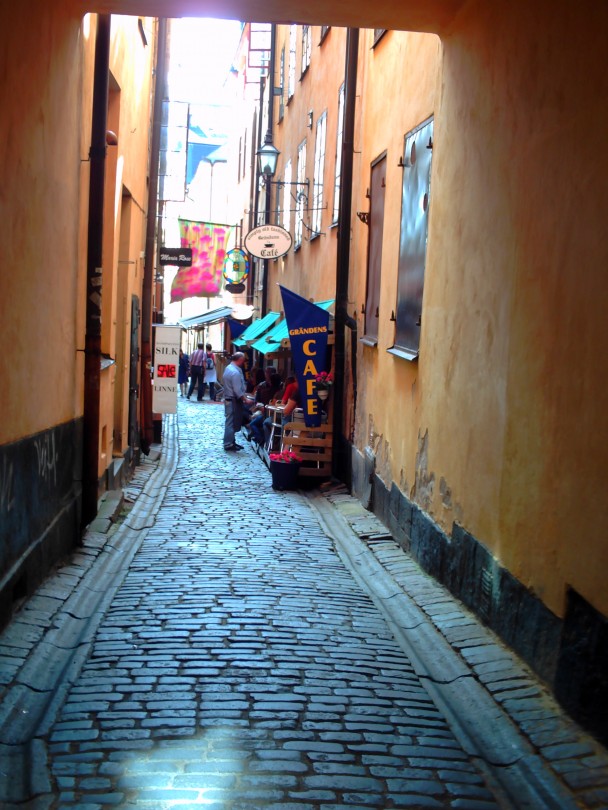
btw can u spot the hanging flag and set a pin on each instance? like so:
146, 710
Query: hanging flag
308, 327
236, 328
209, 242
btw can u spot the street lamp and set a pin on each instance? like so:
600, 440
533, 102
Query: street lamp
268, 156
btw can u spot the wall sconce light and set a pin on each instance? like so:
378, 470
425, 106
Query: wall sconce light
111, 138
363, 216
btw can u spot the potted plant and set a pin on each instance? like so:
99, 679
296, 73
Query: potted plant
284, 467
323, 382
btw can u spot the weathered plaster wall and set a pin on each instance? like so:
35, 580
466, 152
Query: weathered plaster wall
406, 67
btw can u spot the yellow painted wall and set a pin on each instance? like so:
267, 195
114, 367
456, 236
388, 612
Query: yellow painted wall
40, 115
501, 420
516, 310
46, 124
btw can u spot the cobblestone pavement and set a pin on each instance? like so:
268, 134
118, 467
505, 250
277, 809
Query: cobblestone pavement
233, 654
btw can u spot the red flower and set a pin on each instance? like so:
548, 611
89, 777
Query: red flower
286, 457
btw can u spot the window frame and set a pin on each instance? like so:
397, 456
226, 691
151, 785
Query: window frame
287, 175
339, 147
413, 239
291, 76
306, 49
300, 181
318, 179
282, 78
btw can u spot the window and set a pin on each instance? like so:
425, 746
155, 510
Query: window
244, 154
339, 144
317, 180
278, 201
287, 196
282, 80
300, 196
374, 250
418, 152
291, 86
306, 47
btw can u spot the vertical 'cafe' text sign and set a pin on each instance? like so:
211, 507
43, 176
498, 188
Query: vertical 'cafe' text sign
166, 365
308, 327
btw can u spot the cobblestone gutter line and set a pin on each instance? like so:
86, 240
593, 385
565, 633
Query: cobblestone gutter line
500, 710
44, 647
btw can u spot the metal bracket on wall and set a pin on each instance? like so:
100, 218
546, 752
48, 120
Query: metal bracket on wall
363, 216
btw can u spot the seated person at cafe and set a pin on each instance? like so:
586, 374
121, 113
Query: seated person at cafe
254, 378
290, 385
256, 431
262, 391
294, 401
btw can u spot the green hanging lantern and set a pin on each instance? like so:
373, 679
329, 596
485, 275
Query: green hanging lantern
236, 270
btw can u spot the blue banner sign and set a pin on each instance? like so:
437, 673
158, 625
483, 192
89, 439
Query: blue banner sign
308, 327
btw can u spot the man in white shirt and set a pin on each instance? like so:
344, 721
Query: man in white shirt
234, 393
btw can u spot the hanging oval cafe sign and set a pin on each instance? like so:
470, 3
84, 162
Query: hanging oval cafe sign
268, 241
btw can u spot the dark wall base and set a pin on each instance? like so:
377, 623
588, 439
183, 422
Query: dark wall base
581, 682
571, 656
40, 506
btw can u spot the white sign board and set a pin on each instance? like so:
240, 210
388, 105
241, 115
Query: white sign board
166, 366
268, 241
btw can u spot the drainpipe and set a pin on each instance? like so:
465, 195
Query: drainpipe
147, 427
253, 197
92, 343
268, 203
342, 319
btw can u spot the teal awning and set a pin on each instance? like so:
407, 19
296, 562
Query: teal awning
257, 328
273, 340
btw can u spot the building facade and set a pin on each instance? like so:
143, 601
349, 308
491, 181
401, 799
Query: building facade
459, 416
477, 394
47, 156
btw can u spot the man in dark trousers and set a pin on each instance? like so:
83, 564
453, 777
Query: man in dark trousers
234, 392
197, 372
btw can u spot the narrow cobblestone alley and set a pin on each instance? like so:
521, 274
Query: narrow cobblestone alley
241, 665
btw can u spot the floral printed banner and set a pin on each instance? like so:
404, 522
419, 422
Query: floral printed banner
209, 243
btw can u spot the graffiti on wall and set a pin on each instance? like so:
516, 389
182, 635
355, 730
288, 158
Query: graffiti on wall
7, 492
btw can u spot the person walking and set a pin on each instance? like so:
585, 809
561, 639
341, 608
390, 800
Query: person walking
210, 372
197, 372
182, 373
234, 393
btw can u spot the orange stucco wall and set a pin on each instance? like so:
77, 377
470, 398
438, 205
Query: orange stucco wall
46, 124
310, 271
